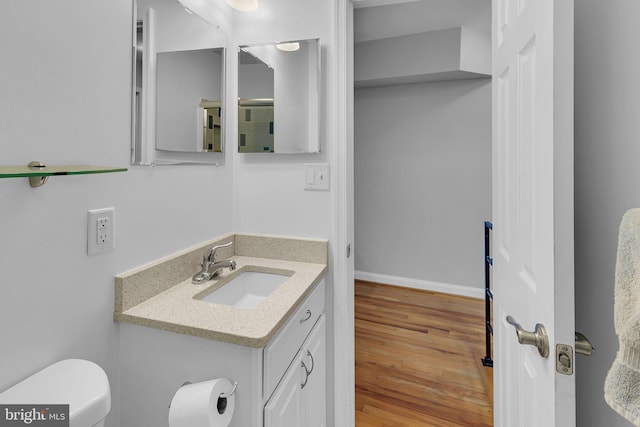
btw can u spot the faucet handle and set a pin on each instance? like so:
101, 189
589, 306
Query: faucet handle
212, 252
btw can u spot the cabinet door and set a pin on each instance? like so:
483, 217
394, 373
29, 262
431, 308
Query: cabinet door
285, 408
314, 392
300, 399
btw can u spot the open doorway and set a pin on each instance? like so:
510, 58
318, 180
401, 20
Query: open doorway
422, 193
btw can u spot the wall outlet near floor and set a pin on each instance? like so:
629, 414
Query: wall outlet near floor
101, 229
316, 176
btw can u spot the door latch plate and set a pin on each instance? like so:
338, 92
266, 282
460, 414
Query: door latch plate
564, 359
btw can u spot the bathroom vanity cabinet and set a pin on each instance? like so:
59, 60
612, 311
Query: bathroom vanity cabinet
297, 386
174, 332
279, 385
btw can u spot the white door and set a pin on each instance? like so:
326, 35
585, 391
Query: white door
285, 408
532, 208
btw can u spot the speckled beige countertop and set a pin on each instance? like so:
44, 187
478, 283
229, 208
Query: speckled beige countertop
160, 294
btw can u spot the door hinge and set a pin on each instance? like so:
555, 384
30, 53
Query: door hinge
564, 359
349, 250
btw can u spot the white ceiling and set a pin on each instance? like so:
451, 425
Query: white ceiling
377, 19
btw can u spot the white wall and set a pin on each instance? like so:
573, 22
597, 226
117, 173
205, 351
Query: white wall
269, 194
423, 181
411, 17
65, 85
607, 148
411, 55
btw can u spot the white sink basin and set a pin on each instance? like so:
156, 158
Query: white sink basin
247, 289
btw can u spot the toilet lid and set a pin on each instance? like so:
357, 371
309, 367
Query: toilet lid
81, 384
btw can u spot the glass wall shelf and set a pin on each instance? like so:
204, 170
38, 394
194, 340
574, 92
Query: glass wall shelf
38, 173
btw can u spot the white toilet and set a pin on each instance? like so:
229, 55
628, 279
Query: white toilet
80, 383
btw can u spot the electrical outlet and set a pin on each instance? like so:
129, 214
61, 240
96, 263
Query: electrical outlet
103, 230
100, 230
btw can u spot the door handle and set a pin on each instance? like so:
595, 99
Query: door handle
583, 346
537, 338
306, 318
313, 363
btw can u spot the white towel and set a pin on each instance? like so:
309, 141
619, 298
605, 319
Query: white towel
622, 386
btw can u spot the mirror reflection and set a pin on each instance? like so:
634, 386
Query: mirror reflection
178, 86
278, 90
188, 100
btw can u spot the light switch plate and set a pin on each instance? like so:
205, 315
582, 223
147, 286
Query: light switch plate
101, 229
316, 176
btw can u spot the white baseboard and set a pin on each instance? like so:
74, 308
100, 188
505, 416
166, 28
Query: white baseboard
425, 285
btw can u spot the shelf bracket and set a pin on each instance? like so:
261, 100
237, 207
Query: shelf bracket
37, 181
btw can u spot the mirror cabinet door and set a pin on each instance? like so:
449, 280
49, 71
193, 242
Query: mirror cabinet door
178, 91
278, 91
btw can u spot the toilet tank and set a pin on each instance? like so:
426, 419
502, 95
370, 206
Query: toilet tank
81, 384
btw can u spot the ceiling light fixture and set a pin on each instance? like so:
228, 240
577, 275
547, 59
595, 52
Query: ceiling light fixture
243, 5
288, 47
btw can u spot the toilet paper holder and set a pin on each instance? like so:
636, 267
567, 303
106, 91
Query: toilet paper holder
222, 404
231, 393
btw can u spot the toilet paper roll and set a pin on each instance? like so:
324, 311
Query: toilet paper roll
201, 405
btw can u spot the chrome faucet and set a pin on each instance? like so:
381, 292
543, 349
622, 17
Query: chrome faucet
210, 267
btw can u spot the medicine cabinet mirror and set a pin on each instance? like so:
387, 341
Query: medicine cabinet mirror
178, 90
279, 97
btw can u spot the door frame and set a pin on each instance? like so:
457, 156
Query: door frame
343, 353
343, 229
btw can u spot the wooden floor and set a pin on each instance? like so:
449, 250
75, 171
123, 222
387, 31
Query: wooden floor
418, 359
